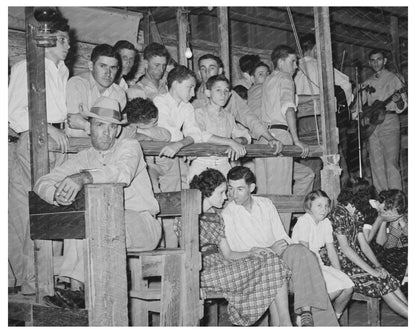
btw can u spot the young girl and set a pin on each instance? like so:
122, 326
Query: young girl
358, 260
218, 127
251, 281
314, 231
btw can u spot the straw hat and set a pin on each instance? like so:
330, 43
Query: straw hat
106, 109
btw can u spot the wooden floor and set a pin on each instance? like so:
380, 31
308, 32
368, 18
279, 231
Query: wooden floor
358, 315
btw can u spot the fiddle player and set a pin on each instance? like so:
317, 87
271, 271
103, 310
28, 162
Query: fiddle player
384, 142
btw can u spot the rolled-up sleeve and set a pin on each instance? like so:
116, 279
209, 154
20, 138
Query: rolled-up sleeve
287, 94
190, 126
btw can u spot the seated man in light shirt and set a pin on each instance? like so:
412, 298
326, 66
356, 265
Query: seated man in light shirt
252, 222
109, 160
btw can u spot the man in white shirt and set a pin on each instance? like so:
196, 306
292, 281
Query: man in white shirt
84, 89
156, 58
21, 255
253, 222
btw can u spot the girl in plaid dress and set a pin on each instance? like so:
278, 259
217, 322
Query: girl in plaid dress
358, 260
251, 281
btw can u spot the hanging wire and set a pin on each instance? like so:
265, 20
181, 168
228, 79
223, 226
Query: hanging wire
292, 23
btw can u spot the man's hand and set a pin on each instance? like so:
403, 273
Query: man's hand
260, 252
235, 151
67, 189
77, 121
279, 246
277, 145
59, 137
171, 149
304, 147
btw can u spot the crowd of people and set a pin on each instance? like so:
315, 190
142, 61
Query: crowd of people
358, 245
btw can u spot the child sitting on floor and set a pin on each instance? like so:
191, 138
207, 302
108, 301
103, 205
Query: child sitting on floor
218, 127
314, 230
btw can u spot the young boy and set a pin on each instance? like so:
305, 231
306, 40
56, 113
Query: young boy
258, 75
253, 222
143, 116
177, 115
218, 127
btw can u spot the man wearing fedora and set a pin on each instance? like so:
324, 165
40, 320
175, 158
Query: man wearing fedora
109, 160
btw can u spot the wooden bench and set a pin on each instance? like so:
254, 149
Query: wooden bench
373, 310
97, 217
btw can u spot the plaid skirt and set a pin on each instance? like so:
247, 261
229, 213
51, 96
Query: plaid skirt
250, 284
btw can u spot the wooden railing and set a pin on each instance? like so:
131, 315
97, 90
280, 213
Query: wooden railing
152, 148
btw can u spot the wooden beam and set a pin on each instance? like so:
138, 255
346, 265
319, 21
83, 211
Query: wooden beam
146, 28
395, 46
105, 257
223, 37
182, 22
330, 174
35, 55
152, 148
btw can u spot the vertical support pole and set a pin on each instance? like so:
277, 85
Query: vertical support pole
182, 21
37, 101
146, 29
191, 261
395, 51
330, 174
105, 255
39, 156
223, 37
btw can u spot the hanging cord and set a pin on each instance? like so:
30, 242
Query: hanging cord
315, 107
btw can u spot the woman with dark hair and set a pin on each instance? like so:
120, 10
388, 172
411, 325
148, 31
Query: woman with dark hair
357, 259
251, 281
391, 243
130, 63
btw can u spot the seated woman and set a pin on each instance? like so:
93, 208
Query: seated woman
251, 281
358, 260
390, 245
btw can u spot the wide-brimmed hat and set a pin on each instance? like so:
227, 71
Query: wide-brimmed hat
107, 109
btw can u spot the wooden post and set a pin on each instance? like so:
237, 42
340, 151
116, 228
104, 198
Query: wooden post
39, 155
105, 253
395, 48
331, 171
37, 100
182, 21
192, 308
146, 29
223, 38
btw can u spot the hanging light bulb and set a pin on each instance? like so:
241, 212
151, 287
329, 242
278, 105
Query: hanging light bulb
188, 53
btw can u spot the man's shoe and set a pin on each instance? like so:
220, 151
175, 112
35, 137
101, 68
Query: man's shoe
54, 301
306, 318
74, 299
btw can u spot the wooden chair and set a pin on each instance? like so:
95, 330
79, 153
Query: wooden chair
373, 310
176, 296
97, 217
